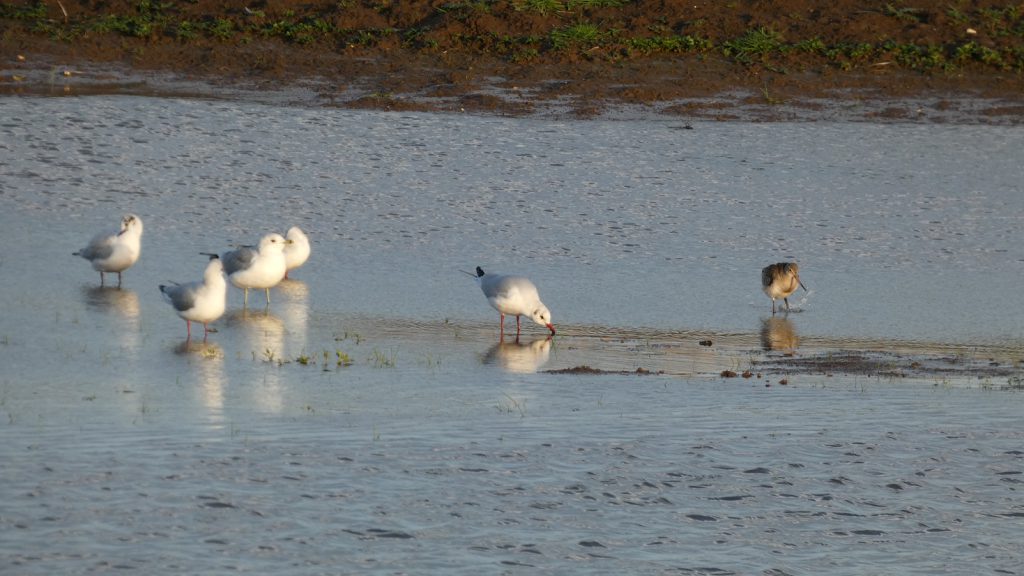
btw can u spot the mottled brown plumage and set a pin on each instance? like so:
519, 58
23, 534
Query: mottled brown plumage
780, 280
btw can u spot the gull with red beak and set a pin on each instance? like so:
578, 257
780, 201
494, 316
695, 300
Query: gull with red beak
513, 295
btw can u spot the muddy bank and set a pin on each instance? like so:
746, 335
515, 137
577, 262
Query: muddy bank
988, 371
792, 60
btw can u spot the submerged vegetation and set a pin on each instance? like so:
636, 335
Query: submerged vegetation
523, 31
325, 359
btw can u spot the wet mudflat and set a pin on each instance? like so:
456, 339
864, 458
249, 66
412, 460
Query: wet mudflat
370, 421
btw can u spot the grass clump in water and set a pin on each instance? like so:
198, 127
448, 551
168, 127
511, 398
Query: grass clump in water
341, 359
510, 405
384, 359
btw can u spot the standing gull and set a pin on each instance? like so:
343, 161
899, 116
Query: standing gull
115, 251
514, 295
780, 281
200, 301
297, 251
263, 267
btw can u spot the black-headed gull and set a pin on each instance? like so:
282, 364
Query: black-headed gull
200, 301
115, 251
260, 268
297, 251
780, 281
514, 295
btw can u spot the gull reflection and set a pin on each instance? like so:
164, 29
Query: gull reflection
264, 334
209, 368
778, 333
294, 289
120, 304
262, 330
111, 299
295, 311
519, 357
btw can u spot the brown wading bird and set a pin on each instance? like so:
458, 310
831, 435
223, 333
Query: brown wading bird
780, 281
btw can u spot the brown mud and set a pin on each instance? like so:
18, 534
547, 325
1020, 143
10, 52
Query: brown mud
760, 359
587, 370
895, 366
958, 61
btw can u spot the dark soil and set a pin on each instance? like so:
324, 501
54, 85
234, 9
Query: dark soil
587, 370
960, 60
892, 365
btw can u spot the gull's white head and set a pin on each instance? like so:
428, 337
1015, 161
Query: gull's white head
297, 251
296, 236
272, 244
214, 269
542, 316
131, 223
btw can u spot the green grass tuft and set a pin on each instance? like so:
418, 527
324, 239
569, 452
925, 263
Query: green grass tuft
759, 42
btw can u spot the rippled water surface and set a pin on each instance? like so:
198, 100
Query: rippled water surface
369, 420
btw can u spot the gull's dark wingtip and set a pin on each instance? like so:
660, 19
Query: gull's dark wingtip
479, 271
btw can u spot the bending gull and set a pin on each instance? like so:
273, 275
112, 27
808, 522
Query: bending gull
514, 295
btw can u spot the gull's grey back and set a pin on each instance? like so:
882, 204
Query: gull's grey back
181, 296
237, 260
99, 247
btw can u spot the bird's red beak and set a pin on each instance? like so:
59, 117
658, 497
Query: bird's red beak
552, 328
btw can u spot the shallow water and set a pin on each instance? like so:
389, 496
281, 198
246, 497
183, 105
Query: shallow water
439, 449
902, 231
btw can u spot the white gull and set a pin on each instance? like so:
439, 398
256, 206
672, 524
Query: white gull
115, 251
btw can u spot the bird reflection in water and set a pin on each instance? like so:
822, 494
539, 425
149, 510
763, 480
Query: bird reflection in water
261, 330
294, 311
122, 306
778, 333
519, 357
111, 299
264, 334
209, 372
200, 349
294, 289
